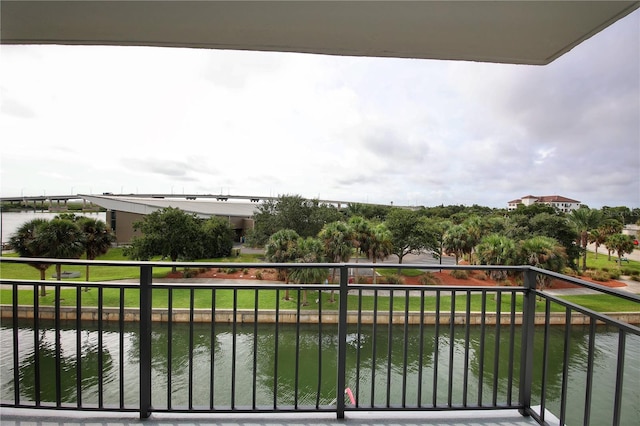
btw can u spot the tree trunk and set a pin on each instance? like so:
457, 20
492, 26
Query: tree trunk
86, 277
43, 288
58, 272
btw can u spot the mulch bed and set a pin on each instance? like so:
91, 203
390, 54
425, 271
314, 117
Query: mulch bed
445, 277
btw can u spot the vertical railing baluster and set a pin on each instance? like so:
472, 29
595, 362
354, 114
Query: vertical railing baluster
405, 349
16, 349
145, 340
36, 343
342, 341
496, 348
359, 348
234, 348
212, 353
319, 350
467, 331
565, 366
121, 351
452, 328
590, 358
420, 349
389, 347
512, 332
436, 350
276, 342
374, 347
191, 324
79, 346
58, 366
617, 406
255, 349
481, 350
526, 347
296, 371
100, 348
169, 347
545, 358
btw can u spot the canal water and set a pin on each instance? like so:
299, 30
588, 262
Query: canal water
403, 363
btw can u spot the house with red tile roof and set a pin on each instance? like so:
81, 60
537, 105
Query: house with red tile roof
561, 203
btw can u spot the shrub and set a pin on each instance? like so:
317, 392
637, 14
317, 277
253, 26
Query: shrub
628, 271
245, 271
362, 279
482, 276
394, 279
460, 274
605, 269
189, 273
600, 276
429, 278
615, 274
635, 276
231, 270
258, 274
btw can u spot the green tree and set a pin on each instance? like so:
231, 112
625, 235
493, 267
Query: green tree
543, 252
497, 249
25, 241
62, 239
621, 244
338, 243
217, 237
170, 233
282, 247
584, 220
607, 228
409, 232
457, 241
310, 250
380, 245
97, 239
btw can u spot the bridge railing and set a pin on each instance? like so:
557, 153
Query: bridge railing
153, 345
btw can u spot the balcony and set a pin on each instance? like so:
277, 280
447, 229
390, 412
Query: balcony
192, 350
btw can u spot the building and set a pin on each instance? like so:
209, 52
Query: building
564, 204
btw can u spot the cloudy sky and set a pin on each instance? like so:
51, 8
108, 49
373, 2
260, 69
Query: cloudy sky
412, 132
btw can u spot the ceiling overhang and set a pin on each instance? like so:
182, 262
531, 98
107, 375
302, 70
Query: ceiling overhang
521, 32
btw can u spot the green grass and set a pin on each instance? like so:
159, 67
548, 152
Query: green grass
267, 300
603, 262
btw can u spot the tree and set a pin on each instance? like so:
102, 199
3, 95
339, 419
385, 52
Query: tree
168, 232
97, 239
282, 247
607, 228
26, 243
217, 238
543, 252
310, 250
61, 239
621, 244
497, 249
338, 243
456, 241
584, 220
380, 245
409, 233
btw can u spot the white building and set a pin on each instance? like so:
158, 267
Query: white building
565, 205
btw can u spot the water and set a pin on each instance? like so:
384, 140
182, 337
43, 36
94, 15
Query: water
370, 369
11, 221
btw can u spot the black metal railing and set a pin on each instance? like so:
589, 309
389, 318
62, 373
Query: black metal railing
202, 346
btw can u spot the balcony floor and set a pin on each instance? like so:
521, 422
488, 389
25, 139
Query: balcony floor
24, 417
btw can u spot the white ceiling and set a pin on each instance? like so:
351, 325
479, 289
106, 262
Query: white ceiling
527, 32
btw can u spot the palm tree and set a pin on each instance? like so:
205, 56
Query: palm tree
338, 243
282, 247
25, 242
456, 241
543, 252
597, 238
621, 244
310, 250
361, 233
584, 220
380, 245
98, 239
496, 249
62, 239
609, 227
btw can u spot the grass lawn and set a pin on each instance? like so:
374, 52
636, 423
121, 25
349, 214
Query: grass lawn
267, 300
602, 262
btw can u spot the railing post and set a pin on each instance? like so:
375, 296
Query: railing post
342, 341
145, 341
526, 347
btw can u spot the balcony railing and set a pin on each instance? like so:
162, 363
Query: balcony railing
197, 348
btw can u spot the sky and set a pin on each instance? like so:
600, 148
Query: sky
94, 119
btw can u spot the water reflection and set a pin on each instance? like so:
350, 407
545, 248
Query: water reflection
376, 361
